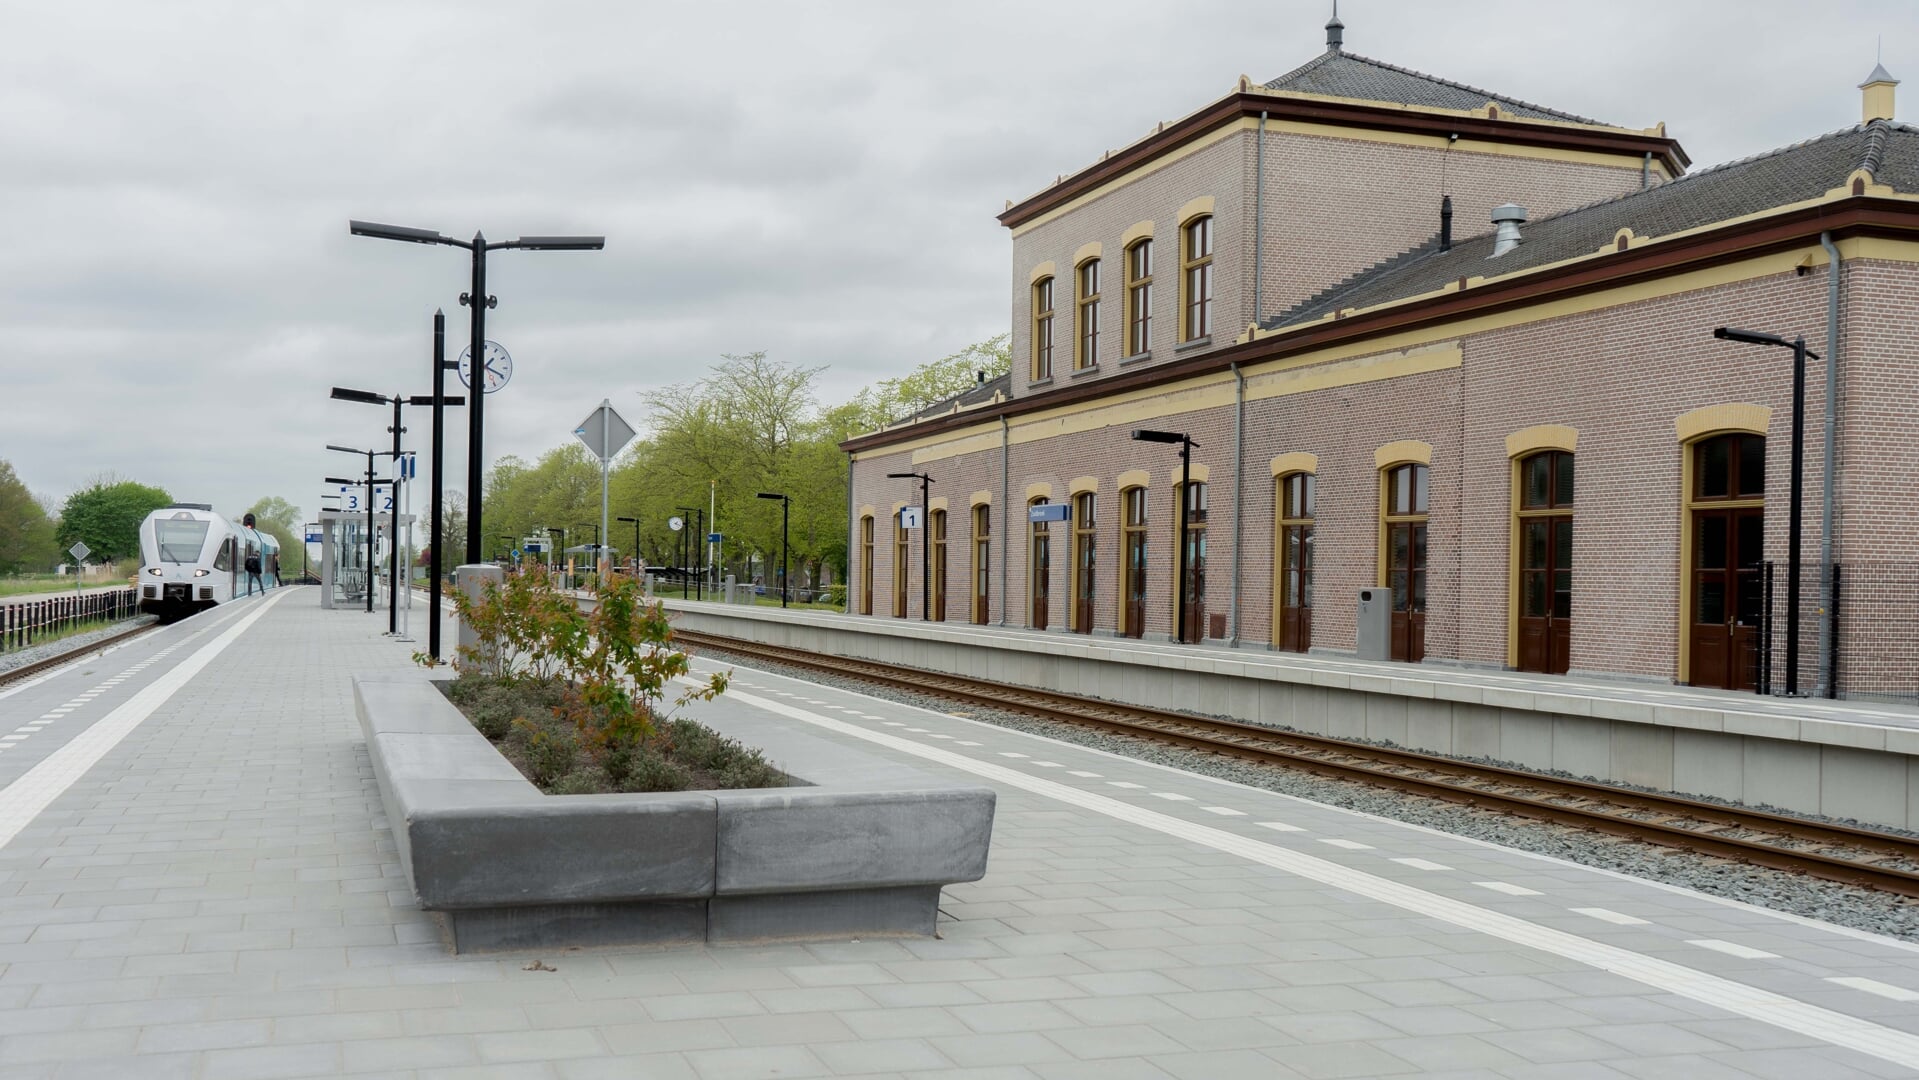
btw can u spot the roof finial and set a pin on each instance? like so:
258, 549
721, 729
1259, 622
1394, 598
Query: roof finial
1335, 31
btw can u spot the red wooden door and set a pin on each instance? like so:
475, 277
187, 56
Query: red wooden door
1406, 576
1545, 594
1728, 547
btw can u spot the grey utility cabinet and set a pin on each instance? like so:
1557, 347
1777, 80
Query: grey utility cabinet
1375, 641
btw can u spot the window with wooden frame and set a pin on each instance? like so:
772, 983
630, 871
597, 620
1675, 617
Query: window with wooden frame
1723, 544
1042, 329
1085, 559
901, 541
1039, 569
937, 534
982, 561
1193, 498
866, 565
1543, 525
1196, 279
1295, 494
1086, 353
1139, 297
1132, 622
1403, 513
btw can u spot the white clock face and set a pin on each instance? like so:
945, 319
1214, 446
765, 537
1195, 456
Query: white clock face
497, 364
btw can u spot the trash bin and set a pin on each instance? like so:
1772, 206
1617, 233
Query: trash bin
1375, 638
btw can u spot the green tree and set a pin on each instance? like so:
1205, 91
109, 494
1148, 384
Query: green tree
279, 519
26, 533
106, 516
935, 381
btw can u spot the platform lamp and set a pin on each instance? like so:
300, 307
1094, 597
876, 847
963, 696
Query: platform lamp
555, 529
371, 485
698, 516
479, 302
1799, 354
1186, 445
636, 541
437, 400
925, 548
786, 507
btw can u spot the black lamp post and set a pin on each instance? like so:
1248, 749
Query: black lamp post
925, 548
698, 515
1799, 354
1186, 445
636, 542
437, 400
786, 506
371, 484
479, 302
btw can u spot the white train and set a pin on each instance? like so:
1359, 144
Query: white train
192, 558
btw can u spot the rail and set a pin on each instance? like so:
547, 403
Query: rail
27, 622
1857, 856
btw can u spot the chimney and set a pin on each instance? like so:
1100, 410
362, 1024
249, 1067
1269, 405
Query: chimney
1876, 103
1507, 219
979, 377
1445, 223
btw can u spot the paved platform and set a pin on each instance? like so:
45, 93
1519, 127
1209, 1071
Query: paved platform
197, 882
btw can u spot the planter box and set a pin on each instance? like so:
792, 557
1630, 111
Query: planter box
862, 851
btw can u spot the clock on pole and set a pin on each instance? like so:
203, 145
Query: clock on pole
496, 363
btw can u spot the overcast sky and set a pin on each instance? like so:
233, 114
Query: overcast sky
819, 180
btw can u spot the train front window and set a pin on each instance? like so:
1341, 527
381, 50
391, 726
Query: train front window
180, 540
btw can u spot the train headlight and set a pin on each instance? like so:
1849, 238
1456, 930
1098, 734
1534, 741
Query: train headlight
202, 572
154, 570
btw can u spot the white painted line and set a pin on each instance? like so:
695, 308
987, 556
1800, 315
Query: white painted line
1874, 986
1046, 765
1077, 772
1609, 915
917, 730
1172, 796
937, 735
1508, 888
1789, 1014
964, 742
895, 723
1422, 864
1732, 949
1349, 845
24, 799
1010, 753
11, 738
1279, 826
1124, 784
1224, 811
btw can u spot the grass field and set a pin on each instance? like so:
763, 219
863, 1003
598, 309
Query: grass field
27, 584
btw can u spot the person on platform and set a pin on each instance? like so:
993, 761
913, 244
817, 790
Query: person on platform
252, 562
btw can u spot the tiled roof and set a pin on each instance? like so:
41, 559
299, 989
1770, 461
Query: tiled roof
1807, 170
977, 394
1343, 74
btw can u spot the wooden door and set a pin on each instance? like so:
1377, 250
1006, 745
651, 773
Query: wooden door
1195, 628
1041, 573
1083, 566
1545, 593
1406, 577
1727, 599
1134, 624
1296, 588
939, 565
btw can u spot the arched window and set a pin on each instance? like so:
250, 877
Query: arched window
1042, 329
1726, 516
1196, 279
1133, 552
1086, 353
1085, 559
1293, 629
1544, 527
1193, 498
982, 551
1039, 568
866, 565
936, 533
1139, 297
1403, 507
901, 542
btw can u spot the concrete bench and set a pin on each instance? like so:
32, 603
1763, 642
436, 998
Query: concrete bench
862, 851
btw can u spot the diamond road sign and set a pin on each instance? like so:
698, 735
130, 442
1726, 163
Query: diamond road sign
604, 432
79, 551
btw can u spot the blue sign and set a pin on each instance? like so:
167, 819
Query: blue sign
713, 538
534, 549
313, 538
1047, 512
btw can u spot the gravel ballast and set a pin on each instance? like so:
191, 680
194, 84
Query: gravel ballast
1834, 902
32, 654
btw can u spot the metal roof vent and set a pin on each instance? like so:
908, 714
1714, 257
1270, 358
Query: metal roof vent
1507, 219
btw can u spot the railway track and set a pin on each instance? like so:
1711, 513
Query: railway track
28, 671
1833, 852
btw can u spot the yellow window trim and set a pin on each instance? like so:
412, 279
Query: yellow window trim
1083, 484
937, 502
1133, 478
1297, 461
1140, 231
869, 510
1086, 251
1194, 208
1038, 491
1401, 452
1527, 441
1043, 270
980, 498
1201, 475
1719, 420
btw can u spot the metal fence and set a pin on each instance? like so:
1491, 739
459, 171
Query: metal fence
1873, 625
28, 621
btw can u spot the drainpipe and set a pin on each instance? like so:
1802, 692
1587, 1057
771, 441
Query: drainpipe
1825, 681
1645, 171
1239, 457
1005, 522
1259, 225
852, 539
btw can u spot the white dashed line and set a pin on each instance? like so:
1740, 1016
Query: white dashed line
1874, 986
1172, 796
1077, 772
1733, 949
1125, 784
1011, 753
936, 735
964, 742
917, 730
1507, 887
1279, 826
1422, 864
894, 723
1349, 845
1224, 811
1046, 765
1608, 915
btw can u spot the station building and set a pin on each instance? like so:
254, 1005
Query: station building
1433, 340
